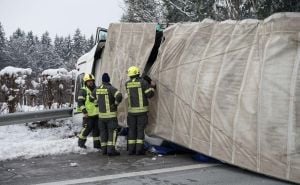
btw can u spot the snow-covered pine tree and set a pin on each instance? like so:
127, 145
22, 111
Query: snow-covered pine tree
90, 43
30, 43
2, 39
17, 49
67, 50
4, 60
58, 46
142, 11
30, 48
46, 40
265, 8
129, 15
180, 10
50, 58
78, 46
260, 9
190, 10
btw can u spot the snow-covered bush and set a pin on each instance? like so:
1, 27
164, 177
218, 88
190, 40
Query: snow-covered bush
18, 89
13, 85
57, 87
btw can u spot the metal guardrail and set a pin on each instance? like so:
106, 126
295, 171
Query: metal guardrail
25, 117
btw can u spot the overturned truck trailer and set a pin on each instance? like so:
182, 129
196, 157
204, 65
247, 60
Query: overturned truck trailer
229, 89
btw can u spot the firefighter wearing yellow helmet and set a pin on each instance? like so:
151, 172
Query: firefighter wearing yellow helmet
90, 112
108, 98
138, 90
133, 71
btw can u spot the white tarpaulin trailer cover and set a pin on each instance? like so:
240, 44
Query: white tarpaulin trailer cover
229, 89
127, 44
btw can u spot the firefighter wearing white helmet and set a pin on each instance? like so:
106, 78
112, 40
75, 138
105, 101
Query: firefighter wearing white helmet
138, 90
90, 112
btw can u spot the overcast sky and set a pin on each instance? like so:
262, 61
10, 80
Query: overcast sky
60, 17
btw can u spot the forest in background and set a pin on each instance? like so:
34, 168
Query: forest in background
27, 52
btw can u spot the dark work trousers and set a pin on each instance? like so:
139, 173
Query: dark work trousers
90, 124
136, 135
108, 129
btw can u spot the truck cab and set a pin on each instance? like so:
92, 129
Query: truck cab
91, 61
88, 63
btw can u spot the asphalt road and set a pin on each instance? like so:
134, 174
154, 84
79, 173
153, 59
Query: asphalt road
93, 168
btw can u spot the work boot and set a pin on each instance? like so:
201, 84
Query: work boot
113, 153
141, 152
81, 143
83, 146
104, 150
131, 152
97, 145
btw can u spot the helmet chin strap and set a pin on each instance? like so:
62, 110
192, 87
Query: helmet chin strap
88, 84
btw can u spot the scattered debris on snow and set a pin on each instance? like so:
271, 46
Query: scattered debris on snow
73, 164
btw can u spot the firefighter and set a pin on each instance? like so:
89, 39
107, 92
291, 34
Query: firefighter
108, 99
90, 113
138, 90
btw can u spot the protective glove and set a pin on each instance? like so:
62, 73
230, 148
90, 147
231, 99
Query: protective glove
147, 78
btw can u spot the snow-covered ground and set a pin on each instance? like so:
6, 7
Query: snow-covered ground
21, 141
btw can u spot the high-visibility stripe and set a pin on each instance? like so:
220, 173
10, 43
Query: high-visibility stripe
110, 143
116, 93
114, 137
138, 109
107, 104
82, 107
148, 90
103, 143
96, 139
78, 109
141, 107
129, 100
101, 91
140, 92
81, 134
81, 98
91, 109
139, 141
133, 84
107, 114
130, 142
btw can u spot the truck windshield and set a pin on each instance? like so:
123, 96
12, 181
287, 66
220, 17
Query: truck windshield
101, 35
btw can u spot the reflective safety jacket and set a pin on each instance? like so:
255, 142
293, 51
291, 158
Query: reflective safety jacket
138, 90
84, 103
107, 97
